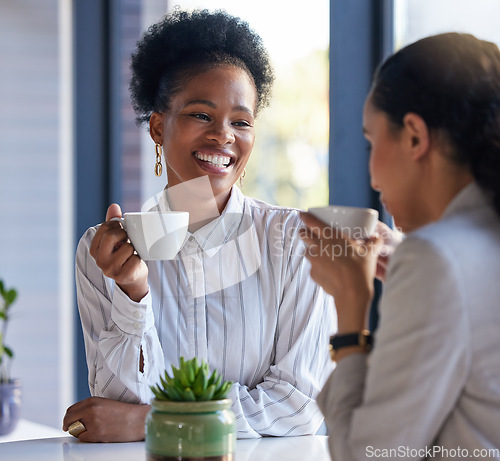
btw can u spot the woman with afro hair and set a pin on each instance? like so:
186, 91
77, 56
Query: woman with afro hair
238, 294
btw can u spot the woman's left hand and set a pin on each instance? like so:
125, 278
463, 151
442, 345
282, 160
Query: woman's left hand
107, 420
344, 267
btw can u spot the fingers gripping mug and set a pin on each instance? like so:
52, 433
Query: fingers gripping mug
156, 235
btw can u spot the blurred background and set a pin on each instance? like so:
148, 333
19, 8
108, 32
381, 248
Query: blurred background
69, 145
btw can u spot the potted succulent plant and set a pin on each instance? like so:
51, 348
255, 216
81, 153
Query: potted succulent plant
190, 417
10, 389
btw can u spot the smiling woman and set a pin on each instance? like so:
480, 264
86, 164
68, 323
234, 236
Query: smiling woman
212, 136
238, 294
289, 163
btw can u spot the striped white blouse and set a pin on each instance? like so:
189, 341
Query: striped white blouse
238, 295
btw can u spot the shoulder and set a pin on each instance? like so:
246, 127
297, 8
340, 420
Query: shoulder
261, 210
275, 226
427, 255
413, 253
264, 206
452, 262
465, 239
423, 289
469, 226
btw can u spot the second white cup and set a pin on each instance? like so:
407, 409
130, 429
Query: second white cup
354, 222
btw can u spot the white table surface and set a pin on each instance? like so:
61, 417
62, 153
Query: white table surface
68, 448
26, 430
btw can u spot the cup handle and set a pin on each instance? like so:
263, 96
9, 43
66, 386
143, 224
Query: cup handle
120, 220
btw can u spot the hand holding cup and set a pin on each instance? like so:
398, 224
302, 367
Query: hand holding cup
120, 250
343, 254
156, 235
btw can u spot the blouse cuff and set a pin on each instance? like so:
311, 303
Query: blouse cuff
132, 317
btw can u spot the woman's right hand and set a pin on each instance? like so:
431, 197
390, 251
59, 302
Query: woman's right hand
116, 257
107, 420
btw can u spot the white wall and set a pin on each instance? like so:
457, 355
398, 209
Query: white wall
35, 197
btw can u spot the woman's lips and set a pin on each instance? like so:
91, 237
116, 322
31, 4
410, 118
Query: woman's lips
214, 162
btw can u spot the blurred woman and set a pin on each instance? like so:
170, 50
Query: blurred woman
430, 387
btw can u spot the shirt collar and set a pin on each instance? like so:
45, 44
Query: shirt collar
471, 196
213, 235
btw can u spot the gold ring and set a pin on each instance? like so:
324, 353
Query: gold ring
76, 428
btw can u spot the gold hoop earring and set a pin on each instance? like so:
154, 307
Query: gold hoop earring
158, 165
242, 176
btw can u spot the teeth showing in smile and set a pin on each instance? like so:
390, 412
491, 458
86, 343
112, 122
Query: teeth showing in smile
216, 160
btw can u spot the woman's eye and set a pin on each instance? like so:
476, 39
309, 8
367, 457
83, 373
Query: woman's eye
242, 123
201, 117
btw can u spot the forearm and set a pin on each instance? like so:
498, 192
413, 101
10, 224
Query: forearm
416, 369
116, 331
118, 364
274, 410
341, 395
284, 402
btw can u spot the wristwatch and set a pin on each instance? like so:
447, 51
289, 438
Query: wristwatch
363, 338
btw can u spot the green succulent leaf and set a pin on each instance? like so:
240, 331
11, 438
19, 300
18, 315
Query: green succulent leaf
179, 388
222, 391
163, 381
191, 381
189, 394
173, 393
212, 378
218, 381
177, 373
184, 378
209, 393
159, 393
191, 368
200, 383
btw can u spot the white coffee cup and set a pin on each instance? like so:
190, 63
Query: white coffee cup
353, 222
156, 235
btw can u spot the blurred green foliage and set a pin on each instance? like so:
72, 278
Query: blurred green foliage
7, 298
289, 163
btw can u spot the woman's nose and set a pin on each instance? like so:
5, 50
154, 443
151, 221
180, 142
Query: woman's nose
222, 133
374, 185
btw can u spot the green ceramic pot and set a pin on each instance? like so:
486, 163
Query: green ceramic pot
189, 431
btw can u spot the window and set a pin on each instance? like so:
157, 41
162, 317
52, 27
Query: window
415, 19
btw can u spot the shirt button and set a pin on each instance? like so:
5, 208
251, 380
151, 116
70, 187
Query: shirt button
137, 325
137, 315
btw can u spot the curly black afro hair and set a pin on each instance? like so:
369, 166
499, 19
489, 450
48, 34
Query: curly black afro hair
184, 44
